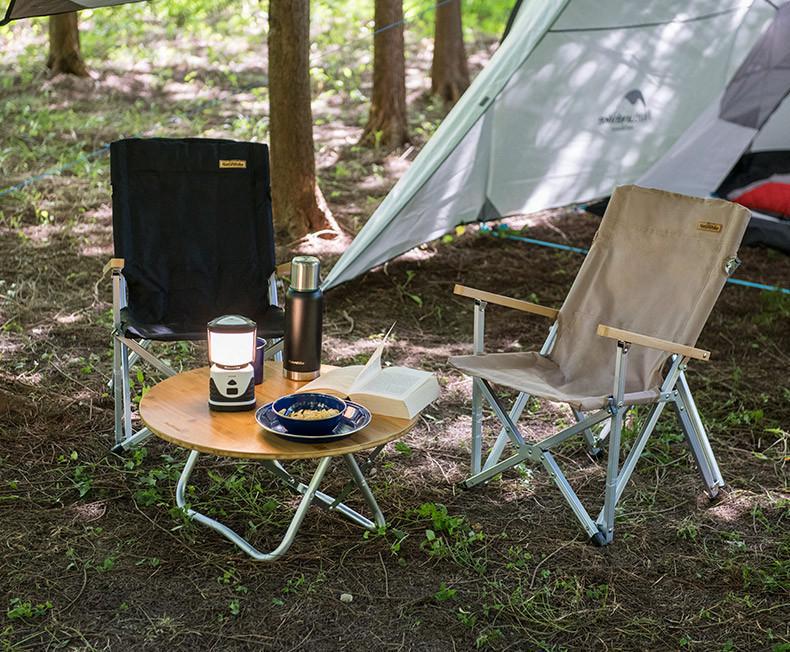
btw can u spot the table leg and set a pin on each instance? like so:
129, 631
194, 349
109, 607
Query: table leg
307, 498
359, 480
336, 504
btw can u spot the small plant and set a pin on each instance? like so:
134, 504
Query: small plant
403, 448
82, 480
107, 564
688, 531
451, 536
19, 609
410, 274
445, 593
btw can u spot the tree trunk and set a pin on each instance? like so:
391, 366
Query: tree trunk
64, 46
449, 72
297, 202
387, 122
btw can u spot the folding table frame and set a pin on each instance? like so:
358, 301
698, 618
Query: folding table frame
674, 389
128, 351
309, 493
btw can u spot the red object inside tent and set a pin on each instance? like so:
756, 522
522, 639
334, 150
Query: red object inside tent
770, 197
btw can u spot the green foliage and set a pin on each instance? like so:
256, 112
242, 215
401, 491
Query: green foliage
19, 609
775, 306
445, 593
451, 537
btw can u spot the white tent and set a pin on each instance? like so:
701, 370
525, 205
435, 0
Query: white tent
584, 95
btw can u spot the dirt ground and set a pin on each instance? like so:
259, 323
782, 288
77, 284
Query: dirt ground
95, 557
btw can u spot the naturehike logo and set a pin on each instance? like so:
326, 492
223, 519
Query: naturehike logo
232, 163
710, 227
630, 112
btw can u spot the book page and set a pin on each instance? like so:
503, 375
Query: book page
337, 381
395, 382
372, 368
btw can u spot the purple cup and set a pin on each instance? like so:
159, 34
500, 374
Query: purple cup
260, 346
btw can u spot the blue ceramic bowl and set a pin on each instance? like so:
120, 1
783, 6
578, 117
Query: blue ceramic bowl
287, 405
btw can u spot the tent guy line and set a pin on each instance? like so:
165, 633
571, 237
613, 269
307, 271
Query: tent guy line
502, 233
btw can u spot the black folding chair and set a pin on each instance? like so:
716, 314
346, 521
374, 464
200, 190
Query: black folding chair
194, 239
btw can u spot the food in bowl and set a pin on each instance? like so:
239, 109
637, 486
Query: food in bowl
310, 415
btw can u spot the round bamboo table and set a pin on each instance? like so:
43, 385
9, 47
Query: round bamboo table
176, 410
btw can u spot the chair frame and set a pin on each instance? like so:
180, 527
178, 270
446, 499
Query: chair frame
674, 389
128, 351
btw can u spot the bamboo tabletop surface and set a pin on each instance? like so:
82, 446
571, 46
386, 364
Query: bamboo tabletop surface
177, 411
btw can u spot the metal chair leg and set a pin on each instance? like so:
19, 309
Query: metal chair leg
701, 436
502, 439
695, 443
593, 449
477, 428
117, 390
613, 459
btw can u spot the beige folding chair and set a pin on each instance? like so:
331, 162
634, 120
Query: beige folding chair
656, 267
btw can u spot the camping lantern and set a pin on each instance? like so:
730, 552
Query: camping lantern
231, 352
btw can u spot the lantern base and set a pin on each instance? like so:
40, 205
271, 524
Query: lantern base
231, 390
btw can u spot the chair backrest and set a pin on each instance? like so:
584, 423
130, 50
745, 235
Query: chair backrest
192, 218
656, 267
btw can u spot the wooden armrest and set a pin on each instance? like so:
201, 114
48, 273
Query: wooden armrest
507, 302
113, 264
652, 342
283, 270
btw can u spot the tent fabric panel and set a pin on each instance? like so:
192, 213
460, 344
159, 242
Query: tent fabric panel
701, 158
769, 232
754, 168
587, 15
775, 133
623, 101
32, 8
453, 195
529, 26
578, 99
763, 79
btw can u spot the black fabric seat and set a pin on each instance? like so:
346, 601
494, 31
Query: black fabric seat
192, 220
270, 325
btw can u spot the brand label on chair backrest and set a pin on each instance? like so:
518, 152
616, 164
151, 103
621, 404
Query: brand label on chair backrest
711, 227
232, 163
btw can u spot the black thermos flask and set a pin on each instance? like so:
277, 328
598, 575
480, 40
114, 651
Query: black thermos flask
304, 313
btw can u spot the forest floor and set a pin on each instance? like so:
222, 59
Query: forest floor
94, 555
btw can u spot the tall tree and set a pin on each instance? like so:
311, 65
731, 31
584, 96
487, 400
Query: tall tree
64, 45
296, 199
449, 72
387, 121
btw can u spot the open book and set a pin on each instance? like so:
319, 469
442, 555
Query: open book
392, 391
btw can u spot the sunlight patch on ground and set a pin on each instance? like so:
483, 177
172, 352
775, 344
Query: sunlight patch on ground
71, 318
314, 244
9, 345
738, 506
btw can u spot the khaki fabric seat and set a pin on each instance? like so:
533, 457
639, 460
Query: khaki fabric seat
656, 267
540, 376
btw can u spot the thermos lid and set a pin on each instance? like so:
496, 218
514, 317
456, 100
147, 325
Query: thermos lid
304, 273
